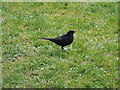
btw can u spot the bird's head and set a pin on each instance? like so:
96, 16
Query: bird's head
71, 32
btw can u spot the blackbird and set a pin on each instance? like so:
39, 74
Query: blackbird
63, 40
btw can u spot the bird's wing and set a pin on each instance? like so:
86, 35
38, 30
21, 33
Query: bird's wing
65, 38
58, 40
62, 38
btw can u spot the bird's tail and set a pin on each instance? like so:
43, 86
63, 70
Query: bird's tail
45, 38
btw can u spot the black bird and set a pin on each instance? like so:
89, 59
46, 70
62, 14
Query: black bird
64, 40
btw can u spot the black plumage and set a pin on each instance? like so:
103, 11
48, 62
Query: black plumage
63, 40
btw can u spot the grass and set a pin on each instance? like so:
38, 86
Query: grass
91, 61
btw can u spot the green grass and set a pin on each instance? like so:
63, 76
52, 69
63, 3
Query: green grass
91, 61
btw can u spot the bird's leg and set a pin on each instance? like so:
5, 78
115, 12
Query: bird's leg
62, 48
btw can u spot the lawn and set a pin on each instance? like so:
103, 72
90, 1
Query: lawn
91, 61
